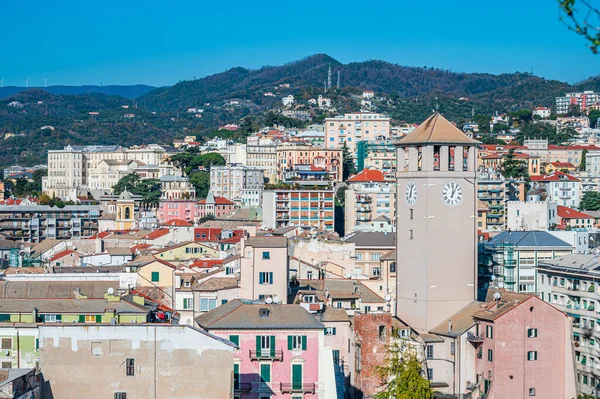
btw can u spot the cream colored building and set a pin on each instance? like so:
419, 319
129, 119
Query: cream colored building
369, 196
238, 183
355, 127
263, 157
176, 187
288, 156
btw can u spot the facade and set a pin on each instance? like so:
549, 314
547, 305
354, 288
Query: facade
525, 349
291, 156
140, 361
542, 112
176, 187
263, 156
304, 207
212, 205
571, 218
560, 187
180, 209
436, 229
377, 154
369, 249
580, 100
570, 283
238, 183
355, 127
369, 196
36, 223
531, 215
281, 352
495, 191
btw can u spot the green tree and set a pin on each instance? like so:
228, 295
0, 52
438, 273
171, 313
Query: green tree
348, 166
182, 160
590, 201
593, 116
403, 375
576, 20
128, 182
583, 162
205, 161
201, 183
340, 195
149, 189
514, 167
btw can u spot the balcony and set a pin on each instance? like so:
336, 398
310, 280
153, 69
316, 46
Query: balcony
309, 387
474, 339
243, 387
267, 355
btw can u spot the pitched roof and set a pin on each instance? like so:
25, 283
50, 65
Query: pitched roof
218, 201
217, 284
77, 306
54, 289
62, 254
562, 164
436, 130
119, 251
507, 302
178, 222
240, 314
267, 242
554, 176
565, 212
459, 322
367, 175
156, 234
372, 239
530, 239
332, 314
342, 288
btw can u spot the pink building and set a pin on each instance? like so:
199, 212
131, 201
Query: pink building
281, 349
525, 349
218, 206
176, 209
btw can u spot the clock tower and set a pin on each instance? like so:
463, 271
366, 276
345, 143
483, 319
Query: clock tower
436, 225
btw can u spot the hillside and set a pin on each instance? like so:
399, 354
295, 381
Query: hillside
126, 91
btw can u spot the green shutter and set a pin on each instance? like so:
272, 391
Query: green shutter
236, 376
265, 372
290, 347
334, 331
304, 342
98, 318
272, 346
258, 345
235, 339
82, 318
270, 277
296, 376
58, 317
260, 278
155, 276
37, 343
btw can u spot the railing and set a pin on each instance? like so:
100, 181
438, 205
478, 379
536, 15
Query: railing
243, 387
273, 355
474, 338
298, 387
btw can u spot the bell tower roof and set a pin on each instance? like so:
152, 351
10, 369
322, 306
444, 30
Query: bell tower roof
436, 130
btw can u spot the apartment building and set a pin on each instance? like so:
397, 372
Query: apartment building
355, 127
580, 100
494, 191
174, 187
263, 157
570, 283
238, 183
369, 196
290, 157
559, 187
533, 214
306, 207
378, 154
76, 170
38, 222
512, 257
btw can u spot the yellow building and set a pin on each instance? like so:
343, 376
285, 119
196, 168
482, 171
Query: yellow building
125, 211
187, 251
560, 166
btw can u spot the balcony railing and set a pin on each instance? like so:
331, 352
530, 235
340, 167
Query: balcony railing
272, 355
474, 338
243, 387
298, 387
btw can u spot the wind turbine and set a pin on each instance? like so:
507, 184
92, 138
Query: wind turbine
46, 82
27, 83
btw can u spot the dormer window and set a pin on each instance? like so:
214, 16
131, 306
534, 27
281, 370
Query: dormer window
264, 312
186, 284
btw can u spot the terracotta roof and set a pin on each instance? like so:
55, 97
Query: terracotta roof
367, 175
459, 322
331, 314
436, 130
562, 164
218, 201
508, 301
103, 234
156, 234
555, 176
178, 222
217, 284
62, 254
139, 247
231, 240
565, 212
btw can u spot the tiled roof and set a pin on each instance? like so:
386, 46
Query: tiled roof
156, 234
555, 176
507, 302
77, 306
62, 254
436, 130
562, 164
238, 314
339, 288
139, 247
368, 175
54, 289
332, 314
372, 239
267, 242
459, 322
217, 284
178, 222
564, 212
218, 201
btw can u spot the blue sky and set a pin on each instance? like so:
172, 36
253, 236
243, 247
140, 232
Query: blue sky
162, 42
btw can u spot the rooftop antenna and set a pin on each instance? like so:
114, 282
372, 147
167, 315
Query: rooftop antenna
27, 83
46, 82
338, 82
329, 77
437, 105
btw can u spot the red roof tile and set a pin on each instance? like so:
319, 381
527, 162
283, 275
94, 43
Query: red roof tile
178, 222
555, 176
562, 164
62, 254
156, 234
564, 212
139, 247
218, 201
367, 175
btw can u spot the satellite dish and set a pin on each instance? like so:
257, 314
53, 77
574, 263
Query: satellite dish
497, 296
276, 299
388, 298
269, 300
111, 290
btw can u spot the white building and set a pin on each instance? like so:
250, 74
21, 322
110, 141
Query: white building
534, 214
560, 187
352, 128
368, 94
288, 100
238, 183
581, 100
542, 112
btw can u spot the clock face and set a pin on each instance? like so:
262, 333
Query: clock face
410, 193
452, 193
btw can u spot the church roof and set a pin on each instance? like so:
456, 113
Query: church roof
436, 130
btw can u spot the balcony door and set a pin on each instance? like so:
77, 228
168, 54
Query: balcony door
296, 377
265, 345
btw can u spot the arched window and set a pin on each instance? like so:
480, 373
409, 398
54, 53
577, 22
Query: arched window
127, 213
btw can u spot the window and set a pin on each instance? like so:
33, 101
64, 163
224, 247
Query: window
207, 304
297, 342
235, 339
336, 356
358, 358
6, 365
393, 267
410, 235
359, 257
411, 214
532, 355
129, 366
265, 278
52, 318
429, 351
531, 391
155, 277
236, 376
532, 333
330, 331
489, 332
381, 333
91, 318
265, 372
376, 271
375, 256
404, 333
6, 343
188, 303
266, 255
430, 374
490, 356
120, 395
452, 348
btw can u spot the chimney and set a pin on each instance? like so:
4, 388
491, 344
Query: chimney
449, 325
